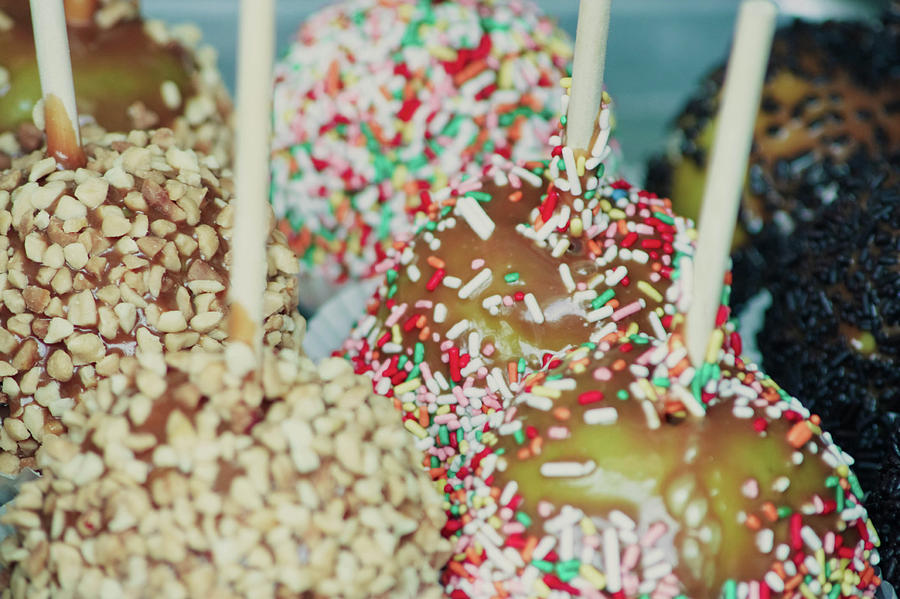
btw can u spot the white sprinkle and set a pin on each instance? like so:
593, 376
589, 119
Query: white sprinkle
412, 271
560, 248
440, 312
811, 539
566, 276
606, 415
620, 519
599, 313
651, 415
567, 469
476, 284
474, 345
538, 402
611, 560
571, 171
765, 540
452, 282
458, 329
774, 581
533, 308
512, 487
526, 174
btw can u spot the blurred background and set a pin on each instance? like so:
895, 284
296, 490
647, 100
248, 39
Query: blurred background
658, 49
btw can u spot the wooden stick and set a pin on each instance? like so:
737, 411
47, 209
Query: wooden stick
80, 12
741, 93
587, 72
256, 42
55, 66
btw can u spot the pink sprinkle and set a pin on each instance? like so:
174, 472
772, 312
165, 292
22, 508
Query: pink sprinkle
460, 396
558, 432
653, 534
424, 304
477, 263
630, 557
445, 418
508, 300
446, 345
603, 374
512, 528
396, 313
544, 509
488, 349
626, 311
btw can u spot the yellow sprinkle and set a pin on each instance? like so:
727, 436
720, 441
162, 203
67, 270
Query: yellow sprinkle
559, 47
806, 591
415, 428
605, 205
495, 522
593, 576
715, 344
579, 166
505, 76
443, 53
616, 214
405, 386
691, 234
605, 97
546, 391
648, 289
820, 557
842, 470
409, 407
400, 174
445, 409
576, 227
648, 389
541, 589
566, 82
588, 527
396, 336
463, 448
489, 439
633, 329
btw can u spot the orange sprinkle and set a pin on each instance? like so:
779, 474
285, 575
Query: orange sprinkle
458, 569
799, 435
753, 522
424, 333
397, 405
562, 413
536, 444
673, 407
613, 303
594, 247
515, 196
512, 372
814, 418
778, 568
469, 71
437, 473
423, 416
793, 582
333, 78
622, 227
523, 454
528, 549
769, 511
435, 262
619, 365
474, 556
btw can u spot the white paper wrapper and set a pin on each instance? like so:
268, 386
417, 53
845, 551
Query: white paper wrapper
332, 323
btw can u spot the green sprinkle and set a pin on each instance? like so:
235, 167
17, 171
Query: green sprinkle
662, 216
519, 436
662, 381
542, 565
622, 394
784, 511
419, 353
511, 277
444, 435
729, 589
601, 299
481, 196
523, 518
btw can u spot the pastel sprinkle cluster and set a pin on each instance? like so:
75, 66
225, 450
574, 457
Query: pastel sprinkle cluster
379, 104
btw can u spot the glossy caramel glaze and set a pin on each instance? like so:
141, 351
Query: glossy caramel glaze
722, 491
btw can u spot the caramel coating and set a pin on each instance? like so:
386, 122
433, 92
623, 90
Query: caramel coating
129, 74
727, 493
184, 480
130, 252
